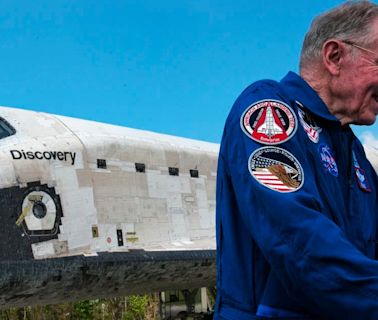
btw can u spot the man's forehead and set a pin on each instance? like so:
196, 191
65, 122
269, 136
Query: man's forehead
372, 38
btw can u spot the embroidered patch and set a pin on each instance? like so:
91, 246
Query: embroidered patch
269, 122
276, 169
308, 123
360, 175
328, 159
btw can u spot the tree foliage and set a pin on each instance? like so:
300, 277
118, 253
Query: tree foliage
144, 307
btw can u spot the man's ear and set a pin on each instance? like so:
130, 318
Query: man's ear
333, 52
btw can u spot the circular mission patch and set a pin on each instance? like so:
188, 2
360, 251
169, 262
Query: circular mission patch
276, 169
269, 122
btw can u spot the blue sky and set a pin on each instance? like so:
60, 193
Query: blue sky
170, 66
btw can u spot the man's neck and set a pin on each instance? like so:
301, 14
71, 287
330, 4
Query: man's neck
321, 83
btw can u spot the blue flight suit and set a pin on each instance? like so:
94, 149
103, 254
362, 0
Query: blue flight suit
307, 251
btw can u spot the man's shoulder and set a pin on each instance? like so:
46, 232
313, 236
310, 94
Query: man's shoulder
264, 113
259, 91
265, 86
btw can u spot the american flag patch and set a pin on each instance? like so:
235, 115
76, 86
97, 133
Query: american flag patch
276, 169
267, 178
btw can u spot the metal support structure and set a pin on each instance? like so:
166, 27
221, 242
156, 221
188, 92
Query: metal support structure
190, 299
204, 301
163, 309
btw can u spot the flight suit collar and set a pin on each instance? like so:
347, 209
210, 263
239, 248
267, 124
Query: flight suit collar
301, 91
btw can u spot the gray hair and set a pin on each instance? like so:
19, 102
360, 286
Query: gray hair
350, 21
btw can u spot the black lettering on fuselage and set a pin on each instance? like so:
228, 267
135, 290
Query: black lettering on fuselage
45, 155
16, 154
73, 155
38, 155
30, 155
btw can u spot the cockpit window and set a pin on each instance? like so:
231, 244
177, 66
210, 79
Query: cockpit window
6, 129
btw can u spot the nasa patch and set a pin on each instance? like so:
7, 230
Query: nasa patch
328, 160
276, 169
308, 123
360, 175
269, 122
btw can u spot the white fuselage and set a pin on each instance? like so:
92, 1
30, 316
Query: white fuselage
106, 204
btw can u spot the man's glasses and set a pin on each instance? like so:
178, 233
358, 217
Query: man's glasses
351, 43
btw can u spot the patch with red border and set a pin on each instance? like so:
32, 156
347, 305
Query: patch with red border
269, 122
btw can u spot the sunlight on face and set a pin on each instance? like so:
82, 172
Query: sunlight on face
360, 81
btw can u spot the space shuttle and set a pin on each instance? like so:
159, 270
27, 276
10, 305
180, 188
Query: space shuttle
269, 127
91, 210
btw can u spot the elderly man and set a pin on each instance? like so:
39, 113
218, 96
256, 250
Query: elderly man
296, 197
